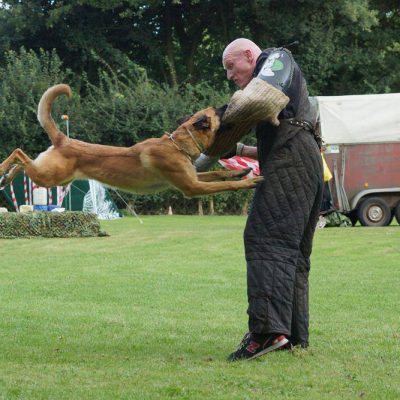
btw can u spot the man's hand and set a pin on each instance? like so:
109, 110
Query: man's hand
204, 162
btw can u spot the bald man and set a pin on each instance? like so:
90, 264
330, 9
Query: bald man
239, 60
284, 213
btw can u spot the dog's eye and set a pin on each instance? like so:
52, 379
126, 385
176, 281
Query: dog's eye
202, 123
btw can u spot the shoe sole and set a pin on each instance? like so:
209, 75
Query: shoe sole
275, 346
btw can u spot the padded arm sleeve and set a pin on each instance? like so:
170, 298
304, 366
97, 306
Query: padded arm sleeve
277, 69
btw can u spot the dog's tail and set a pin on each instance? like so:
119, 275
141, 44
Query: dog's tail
44, 112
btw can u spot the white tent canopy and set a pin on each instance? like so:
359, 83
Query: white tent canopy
360, 118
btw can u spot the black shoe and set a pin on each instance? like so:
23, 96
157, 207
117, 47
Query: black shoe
253, 346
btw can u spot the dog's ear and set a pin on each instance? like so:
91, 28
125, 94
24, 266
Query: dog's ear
182, 120
202, 123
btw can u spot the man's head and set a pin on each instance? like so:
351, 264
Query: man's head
239, 59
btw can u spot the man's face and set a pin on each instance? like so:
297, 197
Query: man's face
239, 68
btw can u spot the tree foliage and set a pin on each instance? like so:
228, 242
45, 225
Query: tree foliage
345, 46
123, 110
23, 79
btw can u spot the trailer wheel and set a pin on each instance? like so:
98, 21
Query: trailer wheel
374, 211
397, 213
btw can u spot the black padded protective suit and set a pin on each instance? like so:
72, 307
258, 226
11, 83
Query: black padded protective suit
280, 227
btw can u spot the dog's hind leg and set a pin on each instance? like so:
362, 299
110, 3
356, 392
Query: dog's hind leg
18, 158
19, 161
13, 172
222, 175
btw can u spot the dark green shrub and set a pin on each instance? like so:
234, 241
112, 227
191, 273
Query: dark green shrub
23, 79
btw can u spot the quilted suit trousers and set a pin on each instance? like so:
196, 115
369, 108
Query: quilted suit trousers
279, 233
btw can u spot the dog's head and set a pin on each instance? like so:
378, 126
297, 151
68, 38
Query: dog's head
203, 125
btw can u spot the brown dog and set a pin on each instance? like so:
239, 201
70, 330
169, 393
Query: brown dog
147, 167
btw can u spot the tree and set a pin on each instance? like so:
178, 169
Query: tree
345, 47
23, 79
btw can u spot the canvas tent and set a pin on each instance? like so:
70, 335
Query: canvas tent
356, 119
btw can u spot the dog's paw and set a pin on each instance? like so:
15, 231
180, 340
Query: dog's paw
254, 181
243, 172
238, 173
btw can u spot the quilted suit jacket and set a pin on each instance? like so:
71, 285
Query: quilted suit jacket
283, 216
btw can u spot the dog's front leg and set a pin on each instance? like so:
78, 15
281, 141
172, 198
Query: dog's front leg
186, 181
212, 176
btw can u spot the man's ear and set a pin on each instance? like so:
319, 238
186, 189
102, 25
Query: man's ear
202, 123
182, 120
249, 55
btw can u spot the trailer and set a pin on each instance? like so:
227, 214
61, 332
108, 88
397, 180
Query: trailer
361, 135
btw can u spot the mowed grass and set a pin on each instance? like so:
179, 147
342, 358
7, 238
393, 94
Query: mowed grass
152, 311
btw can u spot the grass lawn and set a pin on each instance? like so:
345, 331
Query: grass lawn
152, 311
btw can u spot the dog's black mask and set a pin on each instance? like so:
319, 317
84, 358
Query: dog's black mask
202, 123
219, 111
223, 127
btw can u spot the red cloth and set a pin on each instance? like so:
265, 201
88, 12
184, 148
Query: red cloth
238, 162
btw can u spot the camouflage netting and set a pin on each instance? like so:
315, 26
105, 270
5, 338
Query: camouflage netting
49, 224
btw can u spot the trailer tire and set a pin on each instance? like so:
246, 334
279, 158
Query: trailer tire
374, 211
397, 213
